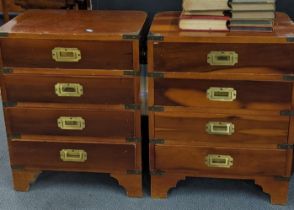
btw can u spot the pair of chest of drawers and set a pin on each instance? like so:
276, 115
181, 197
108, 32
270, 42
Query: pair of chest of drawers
70, 91
221, 105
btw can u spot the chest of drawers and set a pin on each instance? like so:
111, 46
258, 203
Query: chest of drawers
221, 105
70, 91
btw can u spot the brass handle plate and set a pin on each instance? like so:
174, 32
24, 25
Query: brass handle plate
69, 90
71, 123
73, 155
219, 161
221, 94
220, 128
61, 54
222, 58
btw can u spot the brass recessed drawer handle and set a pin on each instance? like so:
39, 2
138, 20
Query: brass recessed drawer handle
73, 155
221, 94
222, 58
61, 54
69, 90
71, 123
220, 128
219, 161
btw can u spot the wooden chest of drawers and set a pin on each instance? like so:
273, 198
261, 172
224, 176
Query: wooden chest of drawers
221, 105
70, 91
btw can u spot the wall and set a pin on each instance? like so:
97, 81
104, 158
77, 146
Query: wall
153, 6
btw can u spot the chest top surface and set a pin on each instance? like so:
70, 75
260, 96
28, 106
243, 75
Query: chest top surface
165, 24
70, 24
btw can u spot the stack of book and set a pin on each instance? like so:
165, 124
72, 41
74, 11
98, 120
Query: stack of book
252, 15
205, 15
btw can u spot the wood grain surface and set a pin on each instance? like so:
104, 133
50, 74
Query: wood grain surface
72, 24
42, 120
246, 161
94, 54
250, 94
39, 86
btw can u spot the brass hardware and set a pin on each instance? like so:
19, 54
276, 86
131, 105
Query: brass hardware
222, 58
157, 173
286, 146
290, 39
156, 141
288, 77
287, 113
17, 167
132, 73
219, 161
134, 172
132, 106
60, 54
283, 178
155, 37
69, 89
14, 136
71, 123
73, 155
221, 94
9, 104
156, 108
220, 128
6, 70
156, 74
3, 34
133, 140
131, 36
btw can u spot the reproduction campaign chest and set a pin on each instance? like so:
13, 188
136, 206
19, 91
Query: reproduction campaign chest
221, 105
70, 88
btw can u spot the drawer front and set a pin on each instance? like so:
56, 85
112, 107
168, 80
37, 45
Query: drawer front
221, 160
69, 89
189, 57
67, 54
72, 156
223, 94
186, 128
70, 122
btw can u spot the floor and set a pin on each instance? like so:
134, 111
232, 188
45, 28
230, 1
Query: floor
98, 191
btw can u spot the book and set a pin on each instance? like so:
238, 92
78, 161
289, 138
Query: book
253, 5
252, 29
249, 15
204, 23
204, 13
251, 23
205, 5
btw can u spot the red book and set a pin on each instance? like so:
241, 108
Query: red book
204, 23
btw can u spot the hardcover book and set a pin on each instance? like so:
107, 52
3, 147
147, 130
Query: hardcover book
204, 23
248, 23
249, 15
205, 5
253, 5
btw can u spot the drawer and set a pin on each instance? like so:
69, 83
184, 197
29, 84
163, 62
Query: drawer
57, 86
223, 94
188, 127
72, 156
74, 120
77, 54
203, 57
230, 161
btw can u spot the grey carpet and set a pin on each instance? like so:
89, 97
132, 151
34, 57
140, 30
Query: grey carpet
71, 191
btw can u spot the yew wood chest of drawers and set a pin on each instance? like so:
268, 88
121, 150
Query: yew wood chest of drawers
70, 91
221, 105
